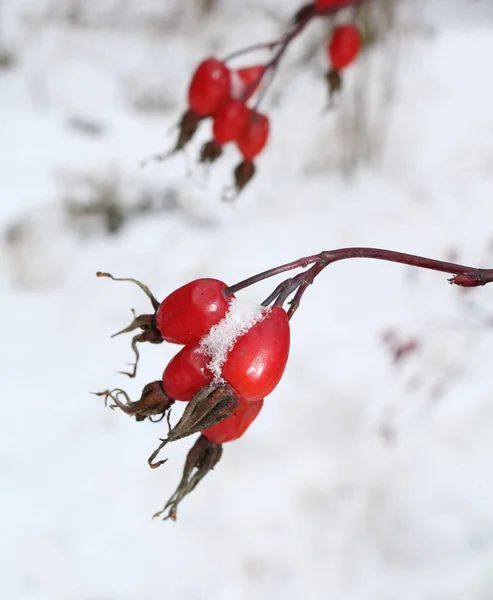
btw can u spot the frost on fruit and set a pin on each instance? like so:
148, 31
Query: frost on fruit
218, 342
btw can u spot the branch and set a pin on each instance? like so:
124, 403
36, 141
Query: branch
464, 276
302, 18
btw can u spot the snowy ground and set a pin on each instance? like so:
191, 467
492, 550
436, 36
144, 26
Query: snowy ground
362, 479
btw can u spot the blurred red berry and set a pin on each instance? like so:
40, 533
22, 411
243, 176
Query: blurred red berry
209, 87
251, 141
245, 81
256, 363
189, 312
344, 46
229, 120
323, 4
234, 426
186, 373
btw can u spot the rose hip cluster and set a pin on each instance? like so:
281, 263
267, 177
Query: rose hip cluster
224, 385
254, 364
230, 97
222, 94
222, 401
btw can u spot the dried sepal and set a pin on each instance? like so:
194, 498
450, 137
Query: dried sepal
155, 303
334, 83
149, 334
243, 172
305, 13
146, 323
202, 458
210, 152
152, 402
187, 129
209, 406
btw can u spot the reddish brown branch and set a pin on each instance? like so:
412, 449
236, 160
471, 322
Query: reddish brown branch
302, 18
464, 276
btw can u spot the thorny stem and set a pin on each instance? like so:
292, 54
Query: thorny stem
464, 276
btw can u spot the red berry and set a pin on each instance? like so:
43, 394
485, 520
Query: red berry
189, 312
245, 81
229, 120
323, 4
253, 138
344, 46
234, 426
255, 364
209, 88
186, 373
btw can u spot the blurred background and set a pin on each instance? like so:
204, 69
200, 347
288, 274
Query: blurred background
367, 475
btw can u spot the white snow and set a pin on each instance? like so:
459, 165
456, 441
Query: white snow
361, 479
239, 319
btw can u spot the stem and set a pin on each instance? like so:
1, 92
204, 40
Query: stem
412, 260
334, 9
283, 43
295, 31
464, 276
250, 49
301, 263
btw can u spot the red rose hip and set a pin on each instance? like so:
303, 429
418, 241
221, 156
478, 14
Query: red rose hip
186, 373
251, 141
323, 4
234, 426
256, 363
229, 120
189, 312
245, 81
209, 88
344, 46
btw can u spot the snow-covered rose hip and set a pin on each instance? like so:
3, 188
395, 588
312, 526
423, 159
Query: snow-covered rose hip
255, 364
249, 351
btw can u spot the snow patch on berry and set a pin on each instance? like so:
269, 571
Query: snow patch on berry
237, 85
221, 338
